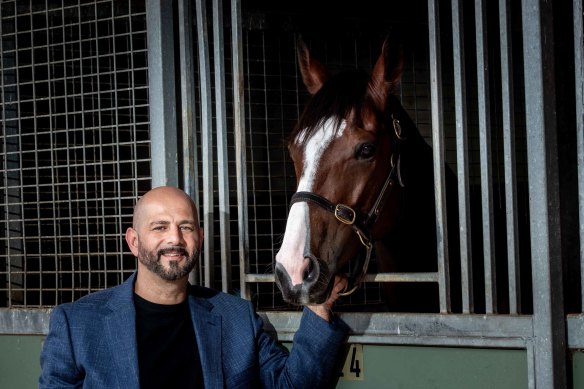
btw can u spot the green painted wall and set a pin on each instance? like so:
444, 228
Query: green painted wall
19, 361
578, 368
396, 367
392, 367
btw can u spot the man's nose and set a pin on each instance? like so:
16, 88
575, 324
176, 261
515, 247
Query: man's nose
174, 235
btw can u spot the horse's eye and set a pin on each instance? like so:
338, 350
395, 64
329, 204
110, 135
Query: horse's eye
365, 151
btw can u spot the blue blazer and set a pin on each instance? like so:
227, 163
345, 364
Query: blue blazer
92, 344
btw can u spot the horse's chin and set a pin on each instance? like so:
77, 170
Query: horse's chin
321, 296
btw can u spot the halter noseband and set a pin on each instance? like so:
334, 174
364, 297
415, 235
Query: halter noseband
359, 223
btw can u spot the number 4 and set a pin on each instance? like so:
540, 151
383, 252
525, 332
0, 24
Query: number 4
353, 366
355, 363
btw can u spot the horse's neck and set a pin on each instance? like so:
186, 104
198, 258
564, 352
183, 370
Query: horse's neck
385, 256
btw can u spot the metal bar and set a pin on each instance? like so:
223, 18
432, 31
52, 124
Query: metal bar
514, 276
485, 156
462, 163
386, 328
579, 89
378, 277
187, 92
206, 138
24, 321
420, 329
438, 154
259, 278
499, 331
221, 132
240, 145
190, 157
548, 306
162, 102
469, 342
402, 277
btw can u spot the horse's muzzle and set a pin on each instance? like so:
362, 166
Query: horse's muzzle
314, 288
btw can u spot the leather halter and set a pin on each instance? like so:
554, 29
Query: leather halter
361, 224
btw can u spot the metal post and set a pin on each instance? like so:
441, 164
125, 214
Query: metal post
579, 89
190, 155
163, 124
240, 145
485, 157
548, 306
221, 133
509, 157
438, 153
206, 138
460, 97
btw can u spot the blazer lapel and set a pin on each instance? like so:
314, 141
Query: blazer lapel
208, 334
120, 331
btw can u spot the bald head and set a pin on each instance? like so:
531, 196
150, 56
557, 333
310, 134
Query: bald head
162, 197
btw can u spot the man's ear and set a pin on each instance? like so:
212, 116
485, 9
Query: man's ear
132, 240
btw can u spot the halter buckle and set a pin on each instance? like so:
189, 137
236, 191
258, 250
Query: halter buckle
354, 288
397, 128
345, 214
364, 240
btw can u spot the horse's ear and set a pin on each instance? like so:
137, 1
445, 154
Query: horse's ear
314, 74
387, 72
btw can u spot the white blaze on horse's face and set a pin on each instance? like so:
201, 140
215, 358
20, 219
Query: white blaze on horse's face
296, 242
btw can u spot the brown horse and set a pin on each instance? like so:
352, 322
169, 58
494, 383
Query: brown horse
365, 187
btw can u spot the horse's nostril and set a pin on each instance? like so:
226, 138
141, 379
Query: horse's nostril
308, 273
312, 271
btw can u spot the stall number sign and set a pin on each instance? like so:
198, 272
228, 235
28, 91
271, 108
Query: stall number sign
353, 367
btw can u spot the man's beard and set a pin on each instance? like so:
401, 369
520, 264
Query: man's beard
151, 260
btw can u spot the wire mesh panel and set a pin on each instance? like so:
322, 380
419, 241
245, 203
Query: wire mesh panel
74, 147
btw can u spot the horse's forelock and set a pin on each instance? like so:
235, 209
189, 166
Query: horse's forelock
337, 99
304, 134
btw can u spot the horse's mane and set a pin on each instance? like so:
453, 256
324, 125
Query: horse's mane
340, 95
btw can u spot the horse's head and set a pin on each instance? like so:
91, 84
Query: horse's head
343, 149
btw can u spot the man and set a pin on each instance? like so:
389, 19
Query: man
158, 331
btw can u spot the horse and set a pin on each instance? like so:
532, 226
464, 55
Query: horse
365, 187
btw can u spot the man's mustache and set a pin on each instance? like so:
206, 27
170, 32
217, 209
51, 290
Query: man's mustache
173, 250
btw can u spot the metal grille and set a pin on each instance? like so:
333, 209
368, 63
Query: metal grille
74, 151
275, 97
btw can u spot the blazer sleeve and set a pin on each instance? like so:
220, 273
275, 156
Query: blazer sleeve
312, 361
58, 368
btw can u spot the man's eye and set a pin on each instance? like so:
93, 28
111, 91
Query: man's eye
187, 228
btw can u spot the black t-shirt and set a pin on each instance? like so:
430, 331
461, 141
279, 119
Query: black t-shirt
168, 355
